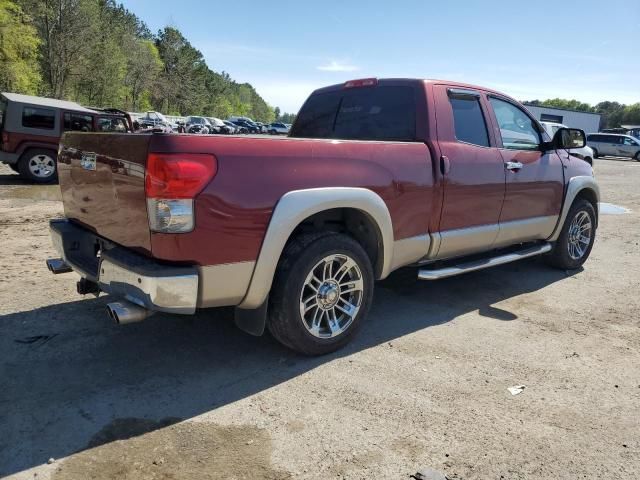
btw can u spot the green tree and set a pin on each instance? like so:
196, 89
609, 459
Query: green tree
19, 42
632, 114
611, 114
276, 114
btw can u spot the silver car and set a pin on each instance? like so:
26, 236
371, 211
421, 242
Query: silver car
614, 145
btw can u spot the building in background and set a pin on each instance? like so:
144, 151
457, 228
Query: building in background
589, 122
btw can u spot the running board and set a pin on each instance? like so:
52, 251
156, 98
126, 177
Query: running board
436, 274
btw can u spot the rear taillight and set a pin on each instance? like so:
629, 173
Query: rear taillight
172, 181
363, 82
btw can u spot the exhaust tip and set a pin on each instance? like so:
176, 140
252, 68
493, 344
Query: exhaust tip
125, 312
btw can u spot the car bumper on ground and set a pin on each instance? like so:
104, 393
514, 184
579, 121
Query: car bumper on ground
120, 271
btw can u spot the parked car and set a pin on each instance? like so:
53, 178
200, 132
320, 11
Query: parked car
195, 124
232, 127
246, 127
613, 144
218, 125
391, 173
277, 128
153, 120
31, 127
585, 153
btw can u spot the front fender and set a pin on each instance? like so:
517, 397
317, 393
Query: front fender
296, 206
576, 185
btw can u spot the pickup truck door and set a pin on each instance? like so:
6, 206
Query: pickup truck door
534, 179
473, 172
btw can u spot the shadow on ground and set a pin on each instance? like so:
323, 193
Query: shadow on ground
71, 380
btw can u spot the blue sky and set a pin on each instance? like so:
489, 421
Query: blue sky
588, 50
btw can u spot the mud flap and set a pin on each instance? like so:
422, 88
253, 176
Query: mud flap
252, 321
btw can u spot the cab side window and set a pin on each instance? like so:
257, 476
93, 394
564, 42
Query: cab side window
77, 122
516, 127
112, 124
42, 118
468, 120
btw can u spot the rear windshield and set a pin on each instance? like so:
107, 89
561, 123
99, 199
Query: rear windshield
374, 113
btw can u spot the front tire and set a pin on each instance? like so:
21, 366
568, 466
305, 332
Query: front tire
595, 153
38, 165
637, 157
576, 238
321, 293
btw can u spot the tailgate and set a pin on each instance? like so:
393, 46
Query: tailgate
102, 183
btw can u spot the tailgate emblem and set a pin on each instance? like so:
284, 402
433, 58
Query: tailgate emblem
88, 161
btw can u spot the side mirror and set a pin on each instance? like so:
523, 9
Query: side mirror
567, 138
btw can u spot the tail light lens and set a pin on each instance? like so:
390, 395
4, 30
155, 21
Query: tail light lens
172, 181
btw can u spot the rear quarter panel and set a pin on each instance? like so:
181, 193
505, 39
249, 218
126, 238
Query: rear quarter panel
233, 211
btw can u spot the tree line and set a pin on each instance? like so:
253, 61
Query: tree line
98, 53
612, 114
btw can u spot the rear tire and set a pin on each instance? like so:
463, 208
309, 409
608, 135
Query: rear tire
595, 153
576, 238
38, 165
637, 157
321, 293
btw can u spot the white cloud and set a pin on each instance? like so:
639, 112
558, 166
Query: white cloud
335, 66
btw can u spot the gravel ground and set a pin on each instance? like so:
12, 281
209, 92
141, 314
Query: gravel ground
425, 384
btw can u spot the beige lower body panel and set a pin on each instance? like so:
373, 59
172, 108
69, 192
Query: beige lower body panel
467, 241
224, 285
527, 230
410, 250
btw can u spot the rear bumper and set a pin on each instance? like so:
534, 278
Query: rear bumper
9, 158
120, 271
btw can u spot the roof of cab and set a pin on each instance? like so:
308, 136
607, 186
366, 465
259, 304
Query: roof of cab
46, 102
419, 80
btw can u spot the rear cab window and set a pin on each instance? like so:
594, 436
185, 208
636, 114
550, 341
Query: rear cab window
39, 118
382, 112
468, 120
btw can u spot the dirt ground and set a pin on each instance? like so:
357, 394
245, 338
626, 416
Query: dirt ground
424, 385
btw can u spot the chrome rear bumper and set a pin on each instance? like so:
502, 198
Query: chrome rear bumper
119, 271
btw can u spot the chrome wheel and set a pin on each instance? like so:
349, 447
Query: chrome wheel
331, 296
42, 165
580, 233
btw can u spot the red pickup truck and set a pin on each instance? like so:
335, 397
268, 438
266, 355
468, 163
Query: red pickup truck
375, 175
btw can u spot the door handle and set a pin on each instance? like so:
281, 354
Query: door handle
445, 165
513, 165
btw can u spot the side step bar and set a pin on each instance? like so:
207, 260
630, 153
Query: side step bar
436, 274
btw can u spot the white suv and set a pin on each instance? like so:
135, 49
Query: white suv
585, 153
278, 128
